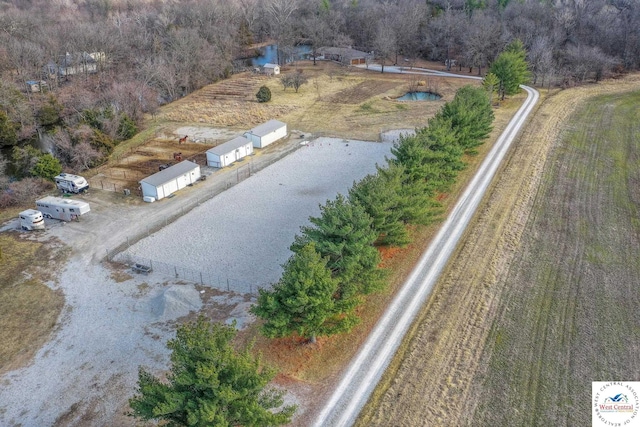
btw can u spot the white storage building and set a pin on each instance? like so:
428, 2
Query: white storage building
168, 181
266, 133
271, 69
229, 152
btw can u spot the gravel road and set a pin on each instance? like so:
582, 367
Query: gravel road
357, 383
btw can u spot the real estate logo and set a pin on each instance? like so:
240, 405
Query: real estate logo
615, 403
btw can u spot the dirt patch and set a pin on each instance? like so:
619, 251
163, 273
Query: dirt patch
364, 90
440, 374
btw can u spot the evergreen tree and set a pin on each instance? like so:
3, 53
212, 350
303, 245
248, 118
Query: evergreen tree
381, 197
303, 300
511, 68
344, 234
491, 83
444, 153
8, 130
209, 384
471, 116
264, 94
46, 167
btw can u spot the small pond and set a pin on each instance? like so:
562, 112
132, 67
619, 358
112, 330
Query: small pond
269, 54
419, 96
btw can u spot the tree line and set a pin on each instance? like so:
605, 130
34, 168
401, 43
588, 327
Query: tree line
335, 261
147, 53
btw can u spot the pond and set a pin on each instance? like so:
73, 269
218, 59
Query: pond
269, 54
419, 96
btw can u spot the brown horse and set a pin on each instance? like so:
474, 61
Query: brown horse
184, 139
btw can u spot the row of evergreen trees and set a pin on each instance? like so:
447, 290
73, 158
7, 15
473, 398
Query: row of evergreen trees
336, 261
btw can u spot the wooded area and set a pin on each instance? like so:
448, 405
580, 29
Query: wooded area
77, 77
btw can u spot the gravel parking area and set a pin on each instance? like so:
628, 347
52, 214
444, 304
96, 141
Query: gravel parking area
244, 234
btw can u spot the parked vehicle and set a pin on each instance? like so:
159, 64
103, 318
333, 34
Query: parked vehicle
62, 209
71, 183
31, 219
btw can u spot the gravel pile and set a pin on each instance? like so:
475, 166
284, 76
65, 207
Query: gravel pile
244, 233
176, 301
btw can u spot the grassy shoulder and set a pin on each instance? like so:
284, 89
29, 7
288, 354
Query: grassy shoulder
29, 309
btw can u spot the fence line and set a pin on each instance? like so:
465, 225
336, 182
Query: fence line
204, 278
208, 278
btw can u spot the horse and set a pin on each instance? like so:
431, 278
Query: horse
184, 139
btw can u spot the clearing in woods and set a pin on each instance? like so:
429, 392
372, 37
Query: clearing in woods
337, 101
542, 296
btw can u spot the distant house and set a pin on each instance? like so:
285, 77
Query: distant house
266, 133
36, 86
71, 64
271, 69
345, 55
168, 181
229, 152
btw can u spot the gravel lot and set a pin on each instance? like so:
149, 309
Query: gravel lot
109, 327
244, 233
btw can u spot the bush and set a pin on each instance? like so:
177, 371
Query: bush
264, 94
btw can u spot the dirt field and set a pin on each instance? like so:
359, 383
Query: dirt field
540, 298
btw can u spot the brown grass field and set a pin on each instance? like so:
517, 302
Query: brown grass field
29, 309
337, 101
541, 297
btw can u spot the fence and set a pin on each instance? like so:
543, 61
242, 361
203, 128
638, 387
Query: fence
204, 278
219, 281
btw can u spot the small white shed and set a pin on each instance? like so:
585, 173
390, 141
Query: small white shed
229, 152
266, 133
168, 181
271, 69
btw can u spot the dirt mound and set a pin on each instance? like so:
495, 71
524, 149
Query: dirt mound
176, 301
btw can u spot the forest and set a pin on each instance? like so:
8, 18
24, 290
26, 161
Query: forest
78, 76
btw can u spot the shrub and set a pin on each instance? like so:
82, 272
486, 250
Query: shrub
264, 94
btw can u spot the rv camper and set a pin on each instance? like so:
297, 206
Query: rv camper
62, 209
31, 219
71, 183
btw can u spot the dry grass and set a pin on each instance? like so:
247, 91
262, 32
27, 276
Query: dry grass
28, 308
505, 340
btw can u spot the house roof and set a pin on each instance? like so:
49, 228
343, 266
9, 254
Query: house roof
170, 173
229, 146
267, 128
345, 52
270, 65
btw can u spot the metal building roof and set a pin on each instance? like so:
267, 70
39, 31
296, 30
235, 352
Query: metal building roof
170, 173
267, 128
229, 146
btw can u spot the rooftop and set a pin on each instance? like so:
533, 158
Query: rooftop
170, 173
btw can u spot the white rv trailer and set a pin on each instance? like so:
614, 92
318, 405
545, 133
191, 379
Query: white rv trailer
31, 219
71, 183
62, 209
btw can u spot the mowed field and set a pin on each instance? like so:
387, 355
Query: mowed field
542, 297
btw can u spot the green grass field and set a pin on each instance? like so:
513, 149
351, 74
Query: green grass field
569, 312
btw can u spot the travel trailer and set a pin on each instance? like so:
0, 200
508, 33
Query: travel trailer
71, 183
62, 209
31, 219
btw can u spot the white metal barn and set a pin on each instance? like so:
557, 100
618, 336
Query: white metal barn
229, 152
266, 133
271, 69
168, 181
